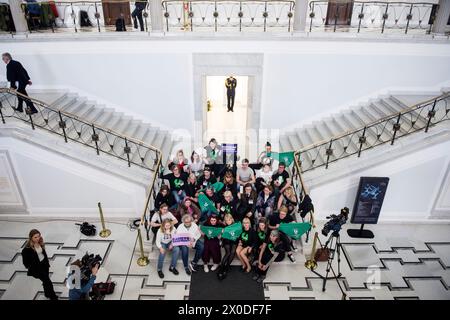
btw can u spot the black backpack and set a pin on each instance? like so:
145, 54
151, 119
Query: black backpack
305, 206
87, 229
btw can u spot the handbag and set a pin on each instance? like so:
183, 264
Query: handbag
322, 254
87, 229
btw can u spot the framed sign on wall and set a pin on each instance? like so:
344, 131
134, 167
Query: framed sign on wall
368, 203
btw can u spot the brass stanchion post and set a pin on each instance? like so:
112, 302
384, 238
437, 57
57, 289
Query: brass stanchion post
143, 260
104, 233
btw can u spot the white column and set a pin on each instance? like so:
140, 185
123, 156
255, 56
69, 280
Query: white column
18, 16
440, 23
156, 14
301, 11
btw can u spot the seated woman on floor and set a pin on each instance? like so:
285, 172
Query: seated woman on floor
271, 251
247, 242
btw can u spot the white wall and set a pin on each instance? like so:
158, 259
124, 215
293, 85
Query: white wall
418, 185
53, 184
302, 78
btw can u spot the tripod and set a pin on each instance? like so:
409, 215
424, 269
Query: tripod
334, 245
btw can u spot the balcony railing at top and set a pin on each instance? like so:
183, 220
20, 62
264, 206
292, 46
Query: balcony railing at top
420, 117
74, 129
80, 15
373, 16
225, 15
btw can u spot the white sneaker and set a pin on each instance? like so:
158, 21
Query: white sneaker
206, 268
214, 267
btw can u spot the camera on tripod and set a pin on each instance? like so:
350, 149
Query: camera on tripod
88, 262
336, 222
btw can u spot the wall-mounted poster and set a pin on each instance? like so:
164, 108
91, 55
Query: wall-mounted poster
369, 199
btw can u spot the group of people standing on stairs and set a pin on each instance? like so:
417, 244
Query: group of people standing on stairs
196, 197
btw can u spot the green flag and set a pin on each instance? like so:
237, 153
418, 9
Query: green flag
295, 230
211, 232
206, 204
232, 232
286, 157
217, 186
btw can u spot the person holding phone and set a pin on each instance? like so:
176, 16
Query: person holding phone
35, 259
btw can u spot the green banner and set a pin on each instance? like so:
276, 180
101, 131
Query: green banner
217, 186
286, 157
295, 230
232, 232
206, 204
211, 232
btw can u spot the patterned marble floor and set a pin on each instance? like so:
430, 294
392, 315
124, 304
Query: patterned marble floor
404, 261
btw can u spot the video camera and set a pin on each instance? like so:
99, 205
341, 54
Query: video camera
88, 262
336, 222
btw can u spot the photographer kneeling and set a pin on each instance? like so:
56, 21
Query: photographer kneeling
86, 283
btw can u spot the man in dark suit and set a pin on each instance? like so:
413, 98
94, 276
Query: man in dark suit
16, 73
231, 84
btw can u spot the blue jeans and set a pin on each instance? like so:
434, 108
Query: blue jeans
161, 257
185, 253
179, 197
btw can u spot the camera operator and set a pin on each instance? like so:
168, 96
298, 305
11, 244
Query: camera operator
82, 293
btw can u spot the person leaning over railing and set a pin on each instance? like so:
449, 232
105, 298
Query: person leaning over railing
16, 73
164, 243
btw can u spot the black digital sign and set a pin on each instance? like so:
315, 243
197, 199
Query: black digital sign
369, 199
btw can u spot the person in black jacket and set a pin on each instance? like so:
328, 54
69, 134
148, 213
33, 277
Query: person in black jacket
177, 181
247, 242
137, 13
35, 259
247, 203
16, 73
164, 196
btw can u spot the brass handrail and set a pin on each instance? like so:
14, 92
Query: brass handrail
373, 123
70, 115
